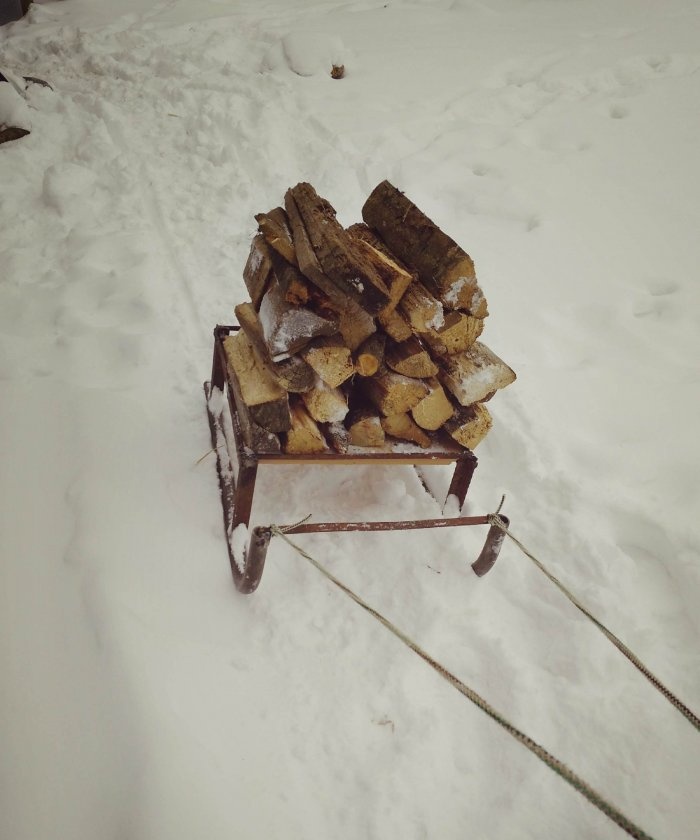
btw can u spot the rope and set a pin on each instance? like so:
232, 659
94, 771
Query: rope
553, 763
495, 519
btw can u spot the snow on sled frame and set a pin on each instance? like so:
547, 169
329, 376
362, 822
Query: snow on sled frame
247, 556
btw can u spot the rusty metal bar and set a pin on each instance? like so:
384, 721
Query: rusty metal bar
404, 525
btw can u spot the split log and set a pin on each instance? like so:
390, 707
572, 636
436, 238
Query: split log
370, 355
411, 359
421, 309
458, 333
289, 328
331, 360
274, 226
395, 326
473, 374
304, 436
295, 287
364, 428
354, 323
395, 278
256, 273
402, 426
254, 436
337, 435
337, 253
470, 425
325, 404
393, 393
293, 373
433, 410
445, 268
265, 398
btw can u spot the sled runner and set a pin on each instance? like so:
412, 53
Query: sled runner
238, 461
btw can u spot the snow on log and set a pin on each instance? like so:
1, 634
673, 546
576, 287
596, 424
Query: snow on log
474, 374
458, 333
325, 404
256, 273
421, 309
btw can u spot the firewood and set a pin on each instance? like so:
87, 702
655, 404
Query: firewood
293, 373
294, 286
411, 359
337, 252
261, 392
473, 374
434, 409
445, 268
423, 311
256, 273
304, 436
395, 278
331, 360
354, 324
402, 426
470, 425
458, 333
274, 226
325, 404
370, 355
395, 326
364, 428
393, 393
288, 328
254, 436
337, 435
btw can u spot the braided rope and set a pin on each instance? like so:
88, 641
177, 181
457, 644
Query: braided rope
495, 519
553, 763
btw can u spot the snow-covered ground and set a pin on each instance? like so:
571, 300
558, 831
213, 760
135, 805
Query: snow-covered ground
141, 697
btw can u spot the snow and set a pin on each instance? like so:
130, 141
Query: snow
142, 697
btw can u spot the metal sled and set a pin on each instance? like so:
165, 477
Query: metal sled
237, 466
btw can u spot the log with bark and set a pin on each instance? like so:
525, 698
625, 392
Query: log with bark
435, 409
304, 436
403, 427
330, 359
474, 374
393, 393
274, 226
445, 268
364, 428
411, 359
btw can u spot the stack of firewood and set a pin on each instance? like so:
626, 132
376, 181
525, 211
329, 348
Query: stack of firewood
360, 337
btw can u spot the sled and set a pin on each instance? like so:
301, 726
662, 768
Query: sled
237, 467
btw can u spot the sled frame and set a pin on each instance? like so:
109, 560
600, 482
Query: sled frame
237, 486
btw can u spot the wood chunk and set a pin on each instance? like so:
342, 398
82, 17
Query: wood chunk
254, 436
294, 286
458, 333
411, 359
288, 328
331, 360
423, 311
354, 324
370, 355
445, 268
304, 436
402, 426
365, 428
395, 278
325, 404
395, 326
274, 226
293, 373
337, 435
265, 398
470, 425
393, 393
473, 374
337, 253
256, 273
433, 410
